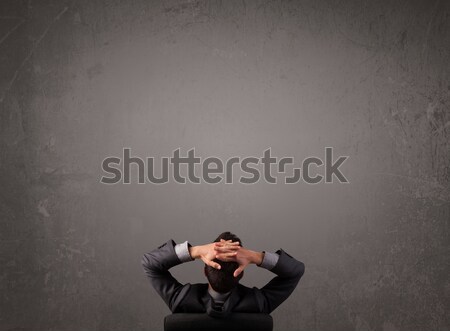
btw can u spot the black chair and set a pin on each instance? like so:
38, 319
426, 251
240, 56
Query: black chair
204, 322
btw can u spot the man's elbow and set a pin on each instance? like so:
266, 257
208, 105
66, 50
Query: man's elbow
300, 270
147, 262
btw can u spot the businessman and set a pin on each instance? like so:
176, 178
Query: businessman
225, 260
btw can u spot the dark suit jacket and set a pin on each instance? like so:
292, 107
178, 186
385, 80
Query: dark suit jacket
194, 298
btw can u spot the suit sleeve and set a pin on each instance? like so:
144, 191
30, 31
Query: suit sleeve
288, 271
156, 266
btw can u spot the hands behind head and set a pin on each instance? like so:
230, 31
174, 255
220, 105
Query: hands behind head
226, 251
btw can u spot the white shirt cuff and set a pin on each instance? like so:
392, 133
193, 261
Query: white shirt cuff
269, 261
182, 251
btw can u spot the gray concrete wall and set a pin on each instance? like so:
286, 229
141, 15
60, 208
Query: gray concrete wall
80, 80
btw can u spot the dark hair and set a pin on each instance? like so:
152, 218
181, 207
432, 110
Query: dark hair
222, 280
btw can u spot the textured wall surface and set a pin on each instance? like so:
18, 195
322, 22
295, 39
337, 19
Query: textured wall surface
80, 80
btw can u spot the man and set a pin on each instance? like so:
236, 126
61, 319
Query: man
225, 260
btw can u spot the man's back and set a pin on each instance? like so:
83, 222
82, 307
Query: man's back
198, 298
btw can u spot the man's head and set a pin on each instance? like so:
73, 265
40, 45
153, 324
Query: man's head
222, 280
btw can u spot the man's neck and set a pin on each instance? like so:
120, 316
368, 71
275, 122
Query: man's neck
217, 296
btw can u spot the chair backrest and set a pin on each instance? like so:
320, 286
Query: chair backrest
204, 322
